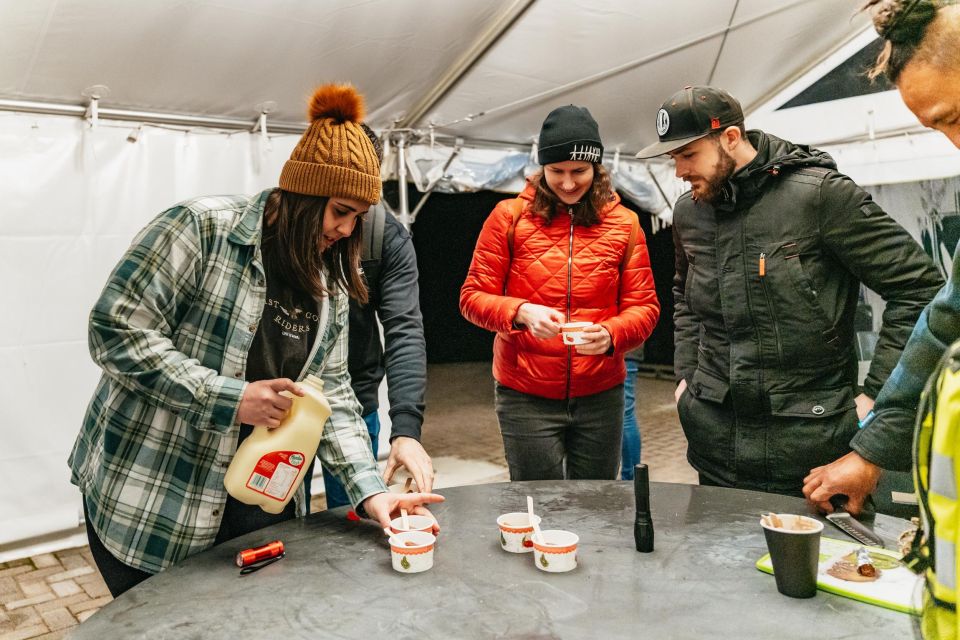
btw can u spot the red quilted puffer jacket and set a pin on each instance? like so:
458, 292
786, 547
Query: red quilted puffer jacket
496, 286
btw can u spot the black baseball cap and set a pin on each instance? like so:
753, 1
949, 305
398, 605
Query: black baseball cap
691, 114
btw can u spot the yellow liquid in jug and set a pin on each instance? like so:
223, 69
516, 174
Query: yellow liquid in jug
270, 464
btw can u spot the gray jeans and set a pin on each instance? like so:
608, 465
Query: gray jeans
540, 434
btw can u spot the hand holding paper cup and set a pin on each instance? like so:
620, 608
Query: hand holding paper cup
794, 545
572, 332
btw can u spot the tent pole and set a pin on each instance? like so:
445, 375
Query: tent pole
403, 214
466, 62
145, 117
433, 184
656, 183
628, 66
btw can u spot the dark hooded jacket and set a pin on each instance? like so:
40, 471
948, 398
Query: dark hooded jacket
766, 288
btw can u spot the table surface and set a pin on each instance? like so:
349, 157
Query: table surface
336, 580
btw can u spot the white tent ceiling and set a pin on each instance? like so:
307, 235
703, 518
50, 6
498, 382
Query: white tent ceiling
224, 58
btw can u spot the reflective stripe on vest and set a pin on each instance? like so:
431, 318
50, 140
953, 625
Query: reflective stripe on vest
941, 445
946, 558
943, 480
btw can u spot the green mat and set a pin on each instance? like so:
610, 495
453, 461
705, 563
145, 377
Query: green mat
899, 588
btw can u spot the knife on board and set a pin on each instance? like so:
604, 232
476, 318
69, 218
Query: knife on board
844, 521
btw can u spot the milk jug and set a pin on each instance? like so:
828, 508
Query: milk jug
270, 464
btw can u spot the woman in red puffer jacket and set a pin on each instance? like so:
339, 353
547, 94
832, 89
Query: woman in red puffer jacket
564, 250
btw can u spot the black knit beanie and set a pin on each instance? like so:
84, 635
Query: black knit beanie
569, 133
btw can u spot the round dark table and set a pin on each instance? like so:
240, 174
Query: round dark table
336, 580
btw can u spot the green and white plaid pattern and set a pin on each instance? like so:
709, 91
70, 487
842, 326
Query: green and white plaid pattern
171, 331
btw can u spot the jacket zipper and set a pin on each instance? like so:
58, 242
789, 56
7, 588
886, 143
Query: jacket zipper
569, 299
750, 309
762, 272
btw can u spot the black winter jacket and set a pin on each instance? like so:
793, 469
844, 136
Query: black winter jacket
395, 298
779, 338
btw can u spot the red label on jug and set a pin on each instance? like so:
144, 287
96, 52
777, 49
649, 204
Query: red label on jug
275, 474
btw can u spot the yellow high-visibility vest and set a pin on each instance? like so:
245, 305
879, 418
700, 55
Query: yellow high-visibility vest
936, 463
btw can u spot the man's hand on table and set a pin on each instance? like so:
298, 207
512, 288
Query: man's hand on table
384, 507
410, 454
851, 475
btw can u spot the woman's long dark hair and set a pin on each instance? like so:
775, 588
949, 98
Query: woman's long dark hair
586, 212
292, 232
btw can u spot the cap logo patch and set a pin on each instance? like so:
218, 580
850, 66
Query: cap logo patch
585, 152
663, 122
714, 123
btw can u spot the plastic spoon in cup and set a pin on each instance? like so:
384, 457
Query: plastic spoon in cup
533, 522
404, 520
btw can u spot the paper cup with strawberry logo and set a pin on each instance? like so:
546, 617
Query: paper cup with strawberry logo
556, 552
515, 532
572, 332
412, 551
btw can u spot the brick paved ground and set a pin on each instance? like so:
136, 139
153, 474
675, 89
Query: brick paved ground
44, 596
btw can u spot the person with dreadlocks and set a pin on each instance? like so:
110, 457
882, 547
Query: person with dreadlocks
922, 58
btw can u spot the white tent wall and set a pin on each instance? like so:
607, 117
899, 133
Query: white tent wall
73, 198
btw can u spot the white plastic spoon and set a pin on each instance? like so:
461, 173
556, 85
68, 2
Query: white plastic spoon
533, 522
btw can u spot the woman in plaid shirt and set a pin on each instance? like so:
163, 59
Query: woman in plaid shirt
218, 306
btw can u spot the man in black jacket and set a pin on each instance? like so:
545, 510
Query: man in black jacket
772, 244
390, 269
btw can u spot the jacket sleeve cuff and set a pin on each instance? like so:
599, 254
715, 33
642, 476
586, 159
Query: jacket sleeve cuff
217, 404
405, 424
363, 486
886, 439
513, 306
871, 389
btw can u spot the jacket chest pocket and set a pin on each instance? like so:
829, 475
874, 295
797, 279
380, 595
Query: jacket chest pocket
702, 287
804, 334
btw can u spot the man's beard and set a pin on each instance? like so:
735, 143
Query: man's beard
715, 186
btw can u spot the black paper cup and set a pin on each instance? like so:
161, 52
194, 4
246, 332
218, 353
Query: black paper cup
795, 554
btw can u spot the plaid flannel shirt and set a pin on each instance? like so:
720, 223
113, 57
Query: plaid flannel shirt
171, 331
886, 436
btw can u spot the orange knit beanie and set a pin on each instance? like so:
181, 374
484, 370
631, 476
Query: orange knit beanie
334, 156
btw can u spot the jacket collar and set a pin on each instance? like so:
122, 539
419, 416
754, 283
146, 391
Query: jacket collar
531, 190
249, 225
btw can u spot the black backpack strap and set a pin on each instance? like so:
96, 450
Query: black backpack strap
372, 233
516, 210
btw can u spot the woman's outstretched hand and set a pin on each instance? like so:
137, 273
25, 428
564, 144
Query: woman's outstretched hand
384, 507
